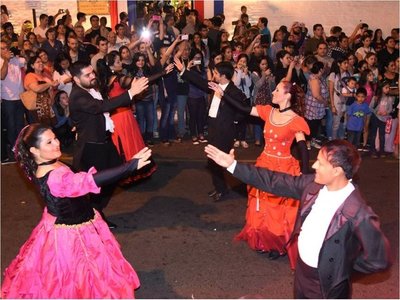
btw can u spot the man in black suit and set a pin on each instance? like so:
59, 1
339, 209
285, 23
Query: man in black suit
89, 113
337, 232
221, 115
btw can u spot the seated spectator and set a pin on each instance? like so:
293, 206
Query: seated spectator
63, 127
62, 74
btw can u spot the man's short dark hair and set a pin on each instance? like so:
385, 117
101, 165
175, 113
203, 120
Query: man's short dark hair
122, 15
388, 39
51, 29
80, 15
216, 21
43, 16
225, 68
118, 26
264, 20
316, 26
77, 67
361, 90
101, 39
341, 153
336, 29
94, 17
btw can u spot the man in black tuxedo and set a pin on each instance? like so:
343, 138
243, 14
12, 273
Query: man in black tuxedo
89, 113
337, 232
221, 115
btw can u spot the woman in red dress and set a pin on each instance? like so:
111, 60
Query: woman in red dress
126, 135
270, 219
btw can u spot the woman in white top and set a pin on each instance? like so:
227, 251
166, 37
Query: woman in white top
361, 52
62, 74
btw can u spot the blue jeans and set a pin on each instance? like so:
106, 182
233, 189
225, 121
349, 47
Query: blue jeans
181, 101
144, 115
328, 123
12, 114
155, 118
167, 130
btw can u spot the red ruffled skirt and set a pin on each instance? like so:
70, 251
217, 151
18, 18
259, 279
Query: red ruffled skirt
270, 219
62, 261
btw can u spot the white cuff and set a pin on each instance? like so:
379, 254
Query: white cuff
232, 167
130, 94
183, 71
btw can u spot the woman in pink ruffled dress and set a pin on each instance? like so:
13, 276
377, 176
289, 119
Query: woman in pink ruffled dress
71, 253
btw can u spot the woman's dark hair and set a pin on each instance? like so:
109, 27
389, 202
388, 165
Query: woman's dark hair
122, 48
135, 58
193, 53
379, 90
341, 153
375, 38
4, 9
279, 55
241, 55
30, 136
256, 67
297, 96
59, 108
28, 35
336, 65
40, 51
317, 66
104, 71
31, 61
364, 77
360, 64
223, 50
57, 62
211, 64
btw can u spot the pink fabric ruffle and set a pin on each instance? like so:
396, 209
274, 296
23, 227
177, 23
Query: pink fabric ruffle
65, 183
61, 261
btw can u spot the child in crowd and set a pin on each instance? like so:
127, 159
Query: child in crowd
356, 115
381, 108
349, 91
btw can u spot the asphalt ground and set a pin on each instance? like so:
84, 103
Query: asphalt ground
181, 243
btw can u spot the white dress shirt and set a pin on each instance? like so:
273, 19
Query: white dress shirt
215, 102
316, 224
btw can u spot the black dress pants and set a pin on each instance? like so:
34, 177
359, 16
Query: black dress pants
101, 156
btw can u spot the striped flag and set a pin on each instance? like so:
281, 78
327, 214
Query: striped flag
208, 9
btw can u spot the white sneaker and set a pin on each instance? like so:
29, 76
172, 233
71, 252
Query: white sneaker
244, 144
236, 144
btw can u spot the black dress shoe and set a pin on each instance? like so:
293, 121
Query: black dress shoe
110, 224
272, 255
219, 196
211, 193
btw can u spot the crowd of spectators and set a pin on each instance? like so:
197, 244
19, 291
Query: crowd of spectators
336, 70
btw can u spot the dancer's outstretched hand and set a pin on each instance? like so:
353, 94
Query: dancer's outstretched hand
221, 158
143, 157
138, 85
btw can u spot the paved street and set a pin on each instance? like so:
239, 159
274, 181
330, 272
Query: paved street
181, 244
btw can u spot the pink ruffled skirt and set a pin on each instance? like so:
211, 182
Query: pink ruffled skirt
62, 261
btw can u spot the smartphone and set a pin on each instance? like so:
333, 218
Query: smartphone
156, 18
62, 11
184, 37
197, 62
